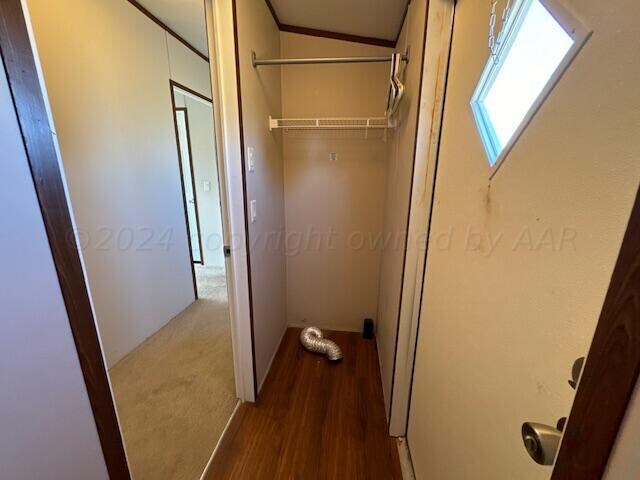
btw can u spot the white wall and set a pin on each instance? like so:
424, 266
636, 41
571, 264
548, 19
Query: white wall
107, 69
48, 430
205, 170
261, 97
334, 209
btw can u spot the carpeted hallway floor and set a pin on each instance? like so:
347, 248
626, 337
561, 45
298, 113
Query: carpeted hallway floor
176, 391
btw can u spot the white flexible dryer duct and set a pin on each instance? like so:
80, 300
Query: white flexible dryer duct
312, 339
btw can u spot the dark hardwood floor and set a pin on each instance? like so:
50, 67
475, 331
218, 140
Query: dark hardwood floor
314, 419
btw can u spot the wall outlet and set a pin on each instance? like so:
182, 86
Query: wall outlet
207, 186
251, 162
252, 208
333, 157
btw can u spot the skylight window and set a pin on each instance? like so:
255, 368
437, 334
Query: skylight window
536, 49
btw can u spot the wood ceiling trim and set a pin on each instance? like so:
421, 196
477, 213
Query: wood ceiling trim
171, 32
380, 42
274, 14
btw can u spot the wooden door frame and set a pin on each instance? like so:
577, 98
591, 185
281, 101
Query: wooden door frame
33, 118
611, 371
183, 189
607, 383
193, 177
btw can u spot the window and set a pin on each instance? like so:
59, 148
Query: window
536, 49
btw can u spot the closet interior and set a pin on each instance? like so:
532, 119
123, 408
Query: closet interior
329, 140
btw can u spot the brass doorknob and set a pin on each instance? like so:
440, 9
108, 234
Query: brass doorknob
541, 442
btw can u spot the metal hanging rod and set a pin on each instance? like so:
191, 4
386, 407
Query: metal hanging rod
310, 61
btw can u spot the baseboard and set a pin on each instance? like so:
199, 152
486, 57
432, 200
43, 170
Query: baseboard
387, 401
326, 327
275, 352
224, 432
406, 465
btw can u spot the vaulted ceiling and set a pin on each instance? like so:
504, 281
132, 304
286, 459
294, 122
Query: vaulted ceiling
369, 21
185, 17
373, 19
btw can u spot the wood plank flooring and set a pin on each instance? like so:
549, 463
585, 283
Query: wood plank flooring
313, 420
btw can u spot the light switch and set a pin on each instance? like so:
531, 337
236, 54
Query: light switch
207, 186
253, 211
333, 157
250, 159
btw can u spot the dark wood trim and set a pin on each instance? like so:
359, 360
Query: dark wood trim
30, 107
274, 14
180, 86
184, 199
406, 237
380, 42
236, 43
193, 182
168, 29
191, 91
313, 32
611, 370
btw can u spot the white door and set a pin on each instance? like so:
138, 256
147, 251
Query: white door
519, 263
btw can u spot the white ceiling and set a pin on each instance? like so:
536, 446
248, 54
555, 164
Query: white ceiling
185, 17
367, 18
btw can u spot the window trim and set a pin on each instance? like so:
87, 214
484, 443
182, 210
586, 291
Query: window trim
575, 28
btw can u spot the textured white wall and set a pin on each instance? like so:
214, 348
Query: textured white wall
48, 430
504, 317
332, 206
261, 97
107, 71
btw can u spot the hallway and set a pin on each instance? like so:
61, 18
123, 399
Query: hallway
314, 419
176, 392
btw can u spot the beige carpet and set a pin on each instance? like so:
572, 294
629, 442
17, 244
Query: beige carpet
176, 391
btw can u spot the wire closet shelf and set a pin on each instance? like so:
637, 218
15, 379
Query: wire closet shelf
369, 123
344, 123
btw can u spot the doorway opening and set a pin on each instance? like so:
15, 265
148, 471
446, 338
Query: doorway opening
187, 366
188, 183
